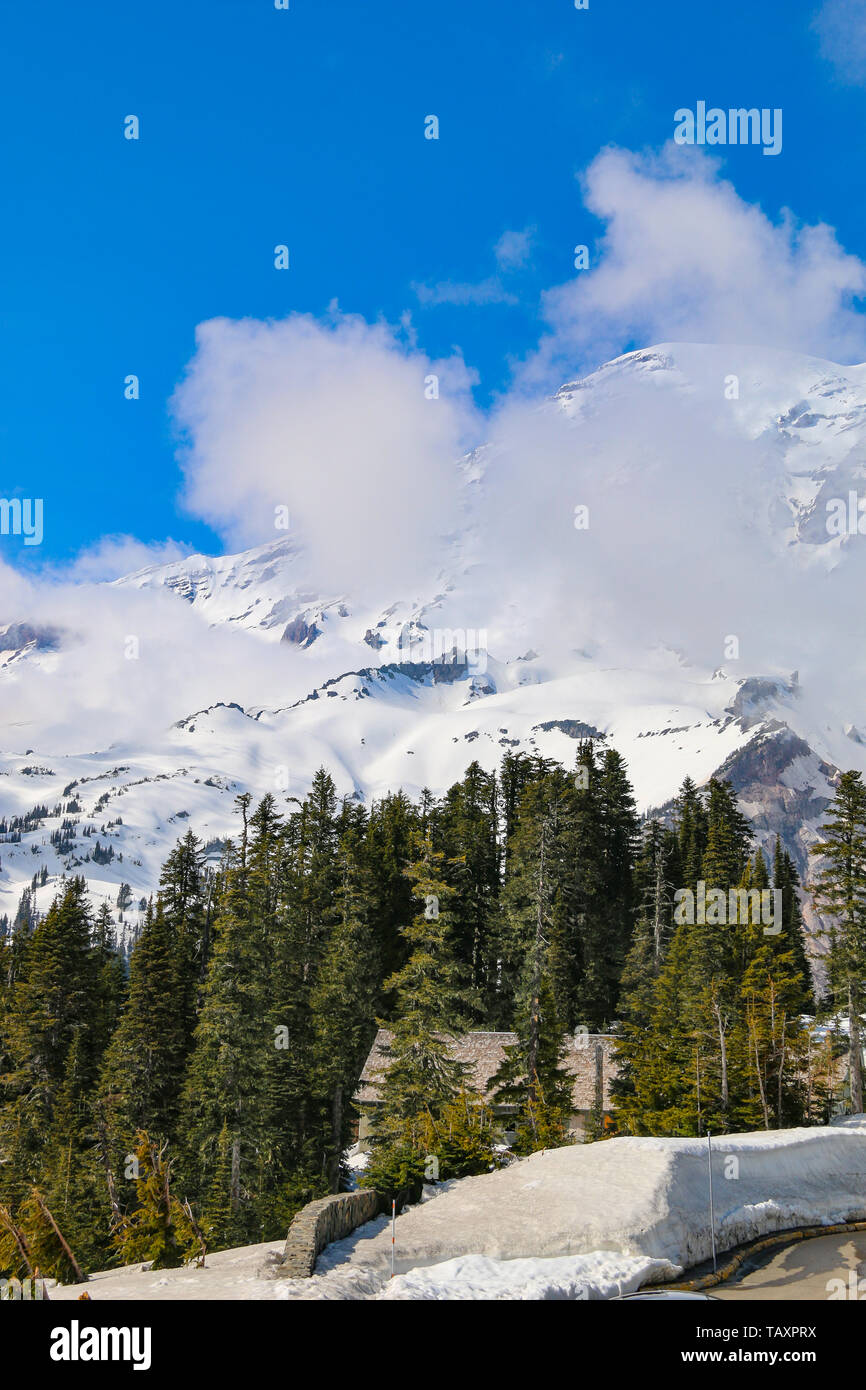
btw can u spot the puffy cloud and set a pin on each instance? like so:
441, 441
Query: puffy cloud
338, 421
100, 690
692, 501
684, 258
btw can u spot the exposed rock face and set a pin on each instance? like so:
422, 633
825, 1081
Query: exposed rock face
784, 788
300, 632
756, 694
15, 636
572, 728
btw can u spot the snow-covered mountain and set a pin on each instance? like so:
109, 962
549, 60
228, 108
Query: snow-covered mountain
136, 709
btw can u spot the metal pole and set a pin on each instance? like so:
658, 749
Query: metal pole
393, 1231
712, 1212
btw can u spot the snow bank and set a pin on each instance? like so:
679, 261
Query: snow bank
570, 1277
636, 1197
587, 1221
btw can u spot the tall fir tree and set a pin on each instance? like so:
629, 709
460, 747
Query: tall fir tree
465, 828
226, 1083
431, 1010
787, 880
145, 1061
344, 999
840, 893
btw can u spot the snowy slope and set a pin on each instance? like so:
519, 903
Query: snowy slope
709, 518
378, 730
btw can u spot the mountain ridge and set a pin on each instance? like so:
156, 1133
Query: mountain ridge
367, 694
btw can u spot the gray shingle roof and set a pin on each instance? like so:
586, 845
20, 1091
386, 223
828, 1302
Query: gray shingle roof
484, 1052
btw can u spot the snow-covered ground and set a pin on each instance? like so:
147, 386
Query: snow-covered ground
575, 1277
588, 1221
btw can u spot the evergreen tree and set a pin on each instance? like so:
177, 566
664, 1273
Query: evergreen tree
145, 1062
111, 977
715, 967
656, 874
43, 1238
227, 1080
598, 950
840, 892
532, 1079
186, 891
664, 1088
70, 1179
466, 831
713, 1040
221, 1220
619, 828
393, 821
431, 1012
464, 1139
692, 832
303, 1099
159, 1231
786, 879
775, 1041
344, 999
53, 1006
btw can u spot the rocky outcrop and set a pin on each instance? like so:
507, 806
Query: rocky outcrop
15, 636
784, 789
300, 633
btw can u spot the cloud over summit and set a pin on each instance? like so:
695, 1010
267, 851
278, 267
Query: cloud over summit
344, 423
684, 258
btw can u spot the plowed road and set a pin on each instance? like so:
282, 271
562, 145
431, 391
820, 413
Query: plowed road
828, 1266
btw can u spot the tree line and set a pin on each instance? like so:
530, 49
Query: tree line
198, 1098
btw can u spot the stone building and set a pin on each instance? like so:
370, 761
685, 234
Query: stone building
588, 1056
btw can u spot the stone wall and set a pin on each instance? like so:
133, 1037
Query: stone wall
319, 1223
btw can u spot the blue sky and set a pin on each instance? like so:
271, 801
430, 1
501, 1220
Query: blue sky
305, 127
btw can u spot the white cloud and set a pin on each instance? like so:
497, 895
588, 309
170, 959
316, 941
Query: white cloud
688, 498
113, 556
841, 29
511, 253
336, 421
513, 249
683, 257
489, 291
92, 696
